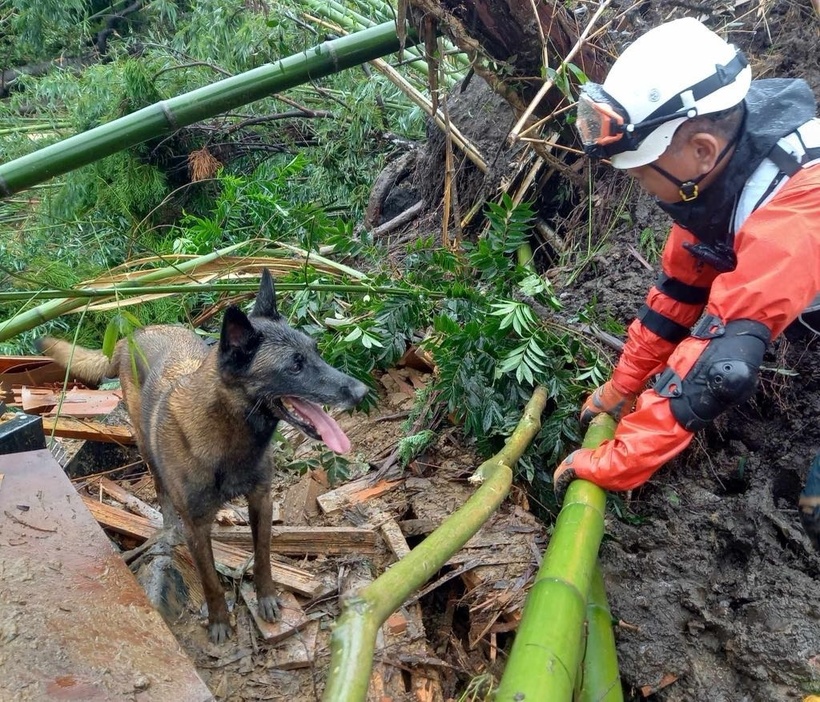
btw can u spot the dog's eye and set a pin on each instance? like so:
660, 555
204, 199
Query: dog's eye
297, 362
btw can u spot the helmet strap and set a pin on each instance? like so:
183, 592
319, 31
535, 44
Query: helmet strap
688, 189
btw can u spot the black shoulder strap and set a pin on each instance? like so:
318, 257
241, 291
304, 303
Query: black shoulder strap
789, 163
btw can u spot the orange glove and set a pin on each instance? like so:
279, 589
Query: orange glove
564, 474
609, 399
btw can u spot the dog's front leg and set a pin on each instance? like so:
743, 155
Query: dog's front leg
260, 512
199, 544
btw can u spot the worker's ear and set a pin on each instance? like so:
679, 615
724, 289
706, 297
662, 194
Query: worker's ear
705, 149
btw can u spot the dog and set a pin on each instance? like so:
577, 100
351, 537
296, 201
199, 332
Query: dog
204, 418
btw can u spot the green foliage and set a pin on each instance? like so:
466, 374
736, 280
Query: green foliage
414, 445
650, 245
131, 204
509, 229
338, 468
41, 29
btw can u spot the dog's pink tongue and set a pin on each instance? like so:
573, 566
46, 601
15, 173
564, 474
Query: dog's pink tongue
327, 427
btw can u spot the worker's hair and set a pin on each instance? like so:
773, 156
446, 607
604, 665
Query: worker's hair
723, 124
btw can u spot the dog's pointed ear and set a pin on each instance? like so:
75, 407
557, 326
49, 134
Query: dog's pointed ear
238, 340
265, 305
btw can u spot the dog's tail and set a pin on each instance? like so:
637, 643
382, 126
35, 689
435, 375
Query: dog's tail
88, 365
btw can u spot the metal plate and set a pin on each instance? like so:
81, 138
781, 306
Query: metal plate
74, 622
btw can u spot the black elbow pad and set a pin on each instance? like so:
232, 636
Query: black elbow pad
724, 375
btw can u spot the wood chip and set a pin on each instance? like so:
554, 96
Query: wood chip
300, 499
394, 538
292, 617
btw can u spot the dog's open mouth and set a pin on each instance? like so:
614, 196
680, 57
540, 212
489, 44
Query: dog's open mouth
312, 420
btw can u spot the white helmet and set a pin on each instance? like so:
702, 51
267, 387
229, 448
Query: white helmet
674, 72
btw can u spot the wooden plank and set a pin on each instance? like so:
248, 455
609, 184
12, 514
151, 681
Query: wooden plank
20, 364
132, 503
311, 541
354, 492
16, 371
119, 520
76, 402
88, 430
226, 555
81, 626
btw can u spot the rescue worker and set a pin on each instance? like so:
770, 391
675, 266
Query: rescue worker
736, 164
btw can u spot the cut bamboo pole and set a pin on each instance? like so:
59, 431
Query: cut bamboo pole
600, 680
546, 653
170, 115
354, 637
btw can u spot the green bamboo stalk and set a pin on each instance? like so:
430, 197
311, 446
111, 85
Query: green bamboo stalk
546, 653
354, 637
600, 680
169, 115
352, 21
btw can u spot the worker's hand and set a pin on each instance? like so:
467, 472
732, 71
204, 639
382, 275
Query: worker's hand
609, 399
563, 476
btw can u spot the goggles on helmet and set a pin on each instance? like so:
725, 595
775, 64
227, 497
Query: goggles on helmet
605, 126
600, 119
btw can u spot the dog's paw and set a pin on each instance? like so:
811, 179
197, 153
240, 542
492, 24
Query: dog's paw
268, 608
219, 632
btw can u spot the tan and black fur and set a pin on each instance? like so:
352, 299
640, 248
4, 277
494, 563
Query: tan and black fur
204, 418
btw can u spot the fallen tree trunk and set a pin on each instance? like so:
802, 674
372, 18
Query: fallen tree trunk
512, 43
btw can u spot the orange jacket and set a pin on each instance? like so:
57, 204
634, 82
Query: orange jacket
777, 275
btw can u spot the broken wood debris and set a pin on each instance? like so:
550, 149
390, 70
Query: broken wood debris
76, 402
394, 538
310, 541
491, 578
300, 499
132, 503
292, 618
73, 428
289, 541
354, 492
227, 556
